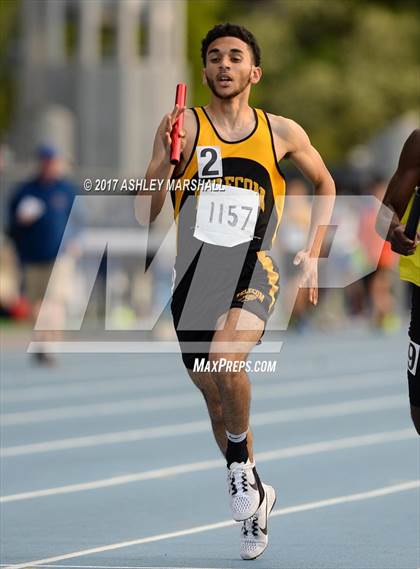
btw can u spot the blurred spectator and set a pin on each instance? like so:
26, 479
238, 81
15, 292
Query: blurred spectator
12, 304
38, 215
379, 284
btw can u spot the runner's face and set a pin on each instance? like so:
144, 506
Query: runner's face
229, 67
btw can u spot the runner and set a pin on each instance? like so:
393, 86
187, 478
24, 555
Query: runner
225, 284
390, 225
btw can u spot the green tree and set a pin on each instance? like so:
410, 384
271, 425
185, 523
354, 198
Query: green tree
201, 16
341, 68
8, 23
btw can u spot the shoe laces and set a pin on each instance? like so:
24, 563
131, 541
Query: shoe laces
238, 476
250, 526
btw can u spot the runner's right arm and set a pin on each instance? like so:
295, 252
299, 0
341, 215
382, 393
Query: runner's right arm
397, 197
160, 168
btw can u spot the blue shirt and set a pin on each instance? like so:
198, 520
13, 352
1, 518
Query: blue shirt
41, 240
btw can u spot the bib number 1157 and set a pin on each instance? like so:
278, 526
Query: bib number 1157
221, 213
226, 217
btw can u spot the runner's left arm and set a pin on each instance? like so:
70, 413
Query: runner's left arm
310, 163
300, 150
397, 196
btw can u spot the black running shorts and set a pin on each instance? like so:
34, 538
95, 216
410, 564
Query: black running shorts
213, 284
413, 364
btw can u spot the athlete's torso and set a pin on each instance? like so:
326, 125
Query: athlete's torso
410, 264
249, 164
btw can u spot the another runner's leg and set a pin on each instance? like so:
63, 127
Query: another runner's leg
413, 364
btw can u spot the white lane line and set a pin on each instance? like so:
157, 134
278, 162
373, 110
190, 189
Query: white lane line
282, 453
122, 566
180, 401
194, 427
360, 496
295, 345
58, 391
84, 373
191, 398
61, 388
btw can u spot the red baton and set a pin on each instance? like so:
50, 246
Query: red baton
181, 96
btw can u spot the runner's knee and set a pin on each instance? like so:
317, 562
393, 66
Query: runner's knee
227, 370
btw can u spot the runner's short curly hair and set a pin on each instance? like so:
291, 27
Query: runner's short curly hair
231, 30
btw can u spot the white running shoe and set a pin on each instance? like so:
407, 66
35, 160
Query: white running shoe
243, 490
254, 531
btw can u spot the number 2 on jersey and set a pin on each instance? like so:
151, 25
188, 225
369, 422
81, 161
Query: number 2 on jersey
209, 160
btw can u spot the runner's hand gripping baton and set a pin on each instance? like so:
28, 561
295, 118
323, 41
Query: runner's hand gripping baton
181, 95
414, 217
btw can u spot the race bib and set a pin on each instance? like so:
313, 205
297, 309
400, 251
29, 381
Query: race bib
413, 357
226, 216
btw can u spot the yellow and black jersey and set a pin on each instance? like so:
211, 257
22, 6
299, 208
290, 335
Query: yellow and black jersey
249, 163
410, 265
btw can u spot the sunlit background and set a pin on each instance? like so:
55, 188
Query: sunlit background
94, 78
112, 451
